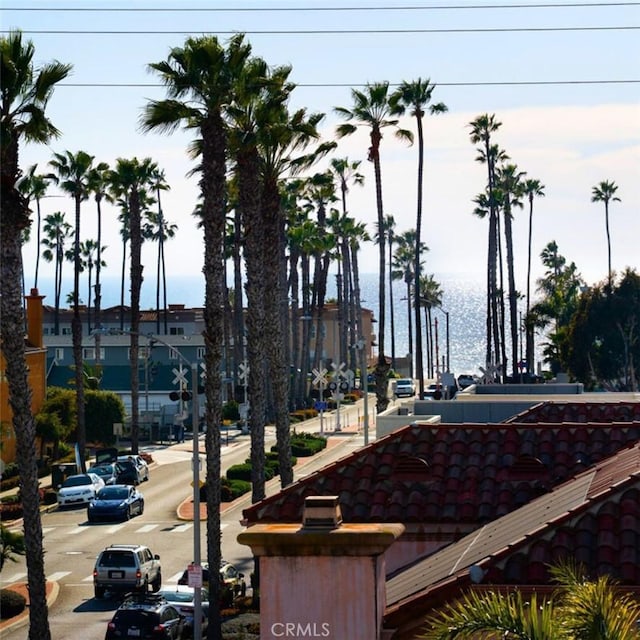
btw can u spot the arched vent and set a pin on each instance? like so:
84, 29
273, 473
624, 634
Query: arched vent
527, 467
411, 468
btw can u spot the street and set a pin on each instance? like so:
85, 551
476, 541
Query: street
71, 543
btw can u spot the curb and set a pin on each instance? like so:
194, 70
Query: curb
10, 623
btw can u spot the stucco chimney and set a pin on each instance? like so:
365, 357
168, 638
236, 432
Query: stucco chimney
324, 579
34, 318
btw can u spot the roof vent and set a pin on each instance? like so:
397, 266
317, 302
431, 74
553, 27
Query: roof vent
321, 512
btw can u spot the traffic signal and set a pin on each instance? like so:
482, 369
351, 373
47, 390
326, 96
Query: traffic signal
177, 395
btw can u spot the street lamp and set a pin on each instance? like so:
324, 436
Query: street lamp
197, 564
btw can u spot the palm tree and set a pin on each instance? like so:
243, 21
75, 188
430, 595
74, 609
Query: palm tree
388, 232
57, 230
371, 109
482, 129
579, 608
199, 78
97, 183
510, 190
25, 91
161, 232
415, 96
71, 174
131, 177
532, 188
88, 253
605, 192
34, 187
430, 297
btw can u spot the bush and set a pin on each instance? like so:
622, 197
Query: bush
243, 472
230, 411
232, 489
304, 445
11, 603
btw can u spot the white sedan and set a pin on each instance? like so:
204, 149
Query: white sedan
79, 489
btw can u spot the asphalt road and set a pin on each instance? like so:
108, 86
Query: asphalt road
71, 543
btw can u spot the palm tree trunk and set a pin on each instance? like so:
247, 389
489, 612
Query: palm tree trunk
13, 348
136, 285
98, 292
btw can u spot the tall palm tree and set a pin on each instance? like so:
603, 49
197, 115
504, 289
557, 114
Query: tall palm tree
532, 188
605, 192
98, 183
430, 297
132, 177
199, 78
25, 91
56, 231
510, 189
88, 255
34, 187
482, 128
415, 96
371, 109
389, 232
71, 176
161, 232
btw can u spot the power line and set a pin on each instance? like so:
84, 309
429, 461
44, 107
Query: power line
323, 9
280, 32
320, 85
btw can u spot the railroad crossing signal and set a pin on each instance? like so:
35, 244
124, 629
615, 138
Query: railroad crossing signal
243, 372
319, 375
180, 374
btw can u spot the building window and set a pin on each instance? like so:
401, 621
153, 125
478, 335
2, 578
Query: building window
66, 331
176, 331
200, 353
88, 353
173, 354
142, 353
59, 354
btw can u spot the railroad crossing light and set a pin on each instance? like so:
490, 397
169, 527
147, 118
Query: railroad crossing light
177, 395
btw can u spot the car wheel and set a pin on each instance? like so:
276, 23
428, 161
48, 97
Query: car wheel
145, 586
141, 507
156, 585
98, 592
127, 514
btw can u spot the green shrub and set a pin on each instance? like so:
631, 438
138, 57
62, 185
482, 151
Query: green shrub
230, 411
232, 489
11, 603
50, 497
9, 483
243, 472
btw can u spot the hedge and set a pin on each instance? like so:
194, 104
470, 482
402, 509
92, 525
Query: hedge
11, 603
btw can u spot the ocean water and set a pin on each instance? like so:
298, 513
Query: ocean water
463, 297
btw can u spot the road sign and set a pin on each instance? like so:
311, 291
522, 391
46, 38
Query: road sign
321, 406
180, 374
338, 370
319, 375
243, 372
194, 573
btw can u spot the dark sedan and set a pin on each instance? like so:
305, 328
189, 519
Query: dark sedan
116, 502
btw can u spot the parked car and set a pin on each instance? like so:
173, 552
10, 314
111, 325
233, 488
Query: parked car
187, 610
80, 488
141, 464
146, 616
107, 471
182, 594
126, 567
405, 388
231, 580
116, 501
129, 472
466, 380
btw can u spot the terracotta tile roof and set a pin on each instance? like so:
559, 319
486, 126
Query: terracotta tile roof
581, 412
594, 518
457, 473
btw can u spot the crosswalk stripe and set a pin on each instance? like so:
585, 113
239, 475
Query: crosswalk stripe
16, 577
115, 528
174, 579
181, 528
46, 530
58, 575
146, 528
77, 530
89, 578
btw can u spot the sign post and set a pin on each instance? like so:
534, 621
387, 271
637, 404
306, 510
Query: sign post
319, 379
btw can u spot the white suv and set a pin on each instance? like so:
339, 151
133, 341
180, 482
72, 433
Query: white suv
405, 388
126, 567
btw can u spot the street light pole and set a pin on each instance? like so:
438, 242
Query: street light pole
197, 593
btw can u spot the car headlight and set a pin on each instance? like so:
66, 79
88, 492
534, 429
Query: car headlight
122, 505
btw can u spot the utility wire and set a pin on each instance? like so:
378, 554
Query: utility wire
320, 85
322, 31
325, 9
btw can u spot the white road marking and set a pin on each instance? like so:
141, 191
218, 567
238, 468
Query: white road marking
16, 577
77, 530
58, 575
181, 528
115, 528
146, 528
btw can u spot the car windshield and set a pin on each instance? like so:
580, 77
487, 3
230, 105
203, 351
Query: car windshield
76, 481
177, 596
101, 471
405, 383
113, 493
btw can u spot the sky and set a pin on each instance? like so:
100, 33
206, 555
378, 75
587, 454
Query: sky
562, 78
